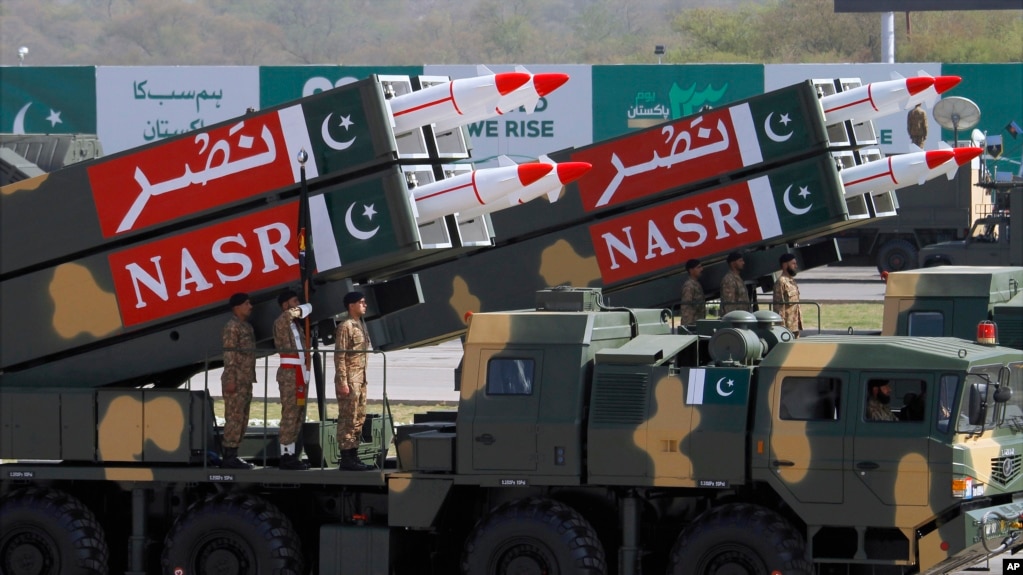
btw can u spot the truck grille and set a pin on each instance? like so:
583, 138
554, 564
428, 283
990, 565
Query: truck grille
620, 398
1004, 470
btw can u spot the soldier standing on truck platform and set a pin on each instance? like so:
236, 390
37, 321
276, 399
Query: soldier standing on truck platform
694, 305
916, 125
350, 381
291, 377
786, 295
733, 290
239, 343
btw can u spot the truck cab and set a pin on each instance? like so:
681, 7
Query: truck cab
989, 242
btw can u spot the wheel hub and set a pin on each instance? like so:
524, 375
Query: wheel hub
525, 559
224, 556
27, 554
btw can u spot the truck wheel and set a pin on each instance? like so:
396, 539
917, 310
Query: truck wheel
232, 534
896, 256
739, 539
533, 537
48, 532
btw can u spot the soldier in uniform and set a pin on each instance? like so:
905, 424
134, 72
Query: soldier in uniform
239, 343
916, 125
291, 377
786, 295
878, 399
694, 305
733, 290
350, 381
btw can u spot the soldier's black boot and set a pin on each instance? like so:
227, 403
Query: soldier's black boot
291, 462
350, 461
232, 461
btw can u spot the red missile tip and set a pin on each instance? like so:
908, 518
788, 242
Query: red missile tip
547, 83
529, 173
508, 82
572, 171
936, 158
919, 84
944, 83
964, 155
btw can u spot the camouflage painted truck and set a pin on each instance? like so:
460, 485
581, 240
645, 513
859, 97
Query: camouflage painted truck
587, 439
113, 274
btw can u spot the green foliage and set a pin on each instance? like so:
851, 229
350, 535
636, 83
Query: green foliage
407, 32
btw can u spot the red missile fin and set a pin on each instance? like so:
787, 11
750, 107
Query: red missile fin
964, 155
945, 83
918, 84
547, 83
529, 173
508, 82
936, 158
572, 171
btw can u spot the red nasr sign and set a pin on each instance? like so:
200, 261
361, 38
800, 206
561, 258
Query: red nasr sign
189, 175
205, 266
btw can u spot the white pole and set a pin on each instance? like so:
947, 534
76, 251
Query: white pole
888, 38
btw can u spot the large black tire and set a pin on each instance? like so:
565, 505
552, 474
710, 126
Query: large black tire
739, 539
233, 534
48, 532
897, 256
533, 537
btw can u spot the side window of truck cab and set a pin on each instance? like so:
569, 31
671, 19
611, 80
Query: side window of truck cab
510, 376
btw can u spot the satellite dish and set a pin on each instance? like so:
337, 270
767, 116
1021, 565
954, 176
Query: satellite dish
956, 112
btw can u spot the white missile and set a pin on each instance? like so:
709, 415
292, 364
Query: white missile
549, 185
486, 187
879, 99
450, 100
895, 172
525, 96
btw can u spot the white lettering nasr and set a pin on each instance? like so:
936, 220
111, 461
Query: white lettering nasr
157, 286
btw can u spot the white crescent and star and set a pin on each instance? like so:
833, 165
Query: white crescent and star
368, 212
333, 144
803, 193
774, 136
731, 386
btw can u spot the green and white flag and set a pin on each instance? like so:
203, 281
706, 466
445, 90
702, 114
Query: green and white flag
48, 100
717, 386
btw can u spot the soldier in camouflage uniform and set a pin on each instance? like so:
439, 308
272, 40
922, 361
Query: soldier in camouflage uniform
877, 402
733, 290
786, 295
916, 125
350, 381
288, 335
694, 305
236, 382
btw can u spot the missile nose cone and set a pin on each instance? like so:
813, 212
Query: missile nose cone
964, 155
529, 173
945, 83
918, 84
936, 158
508, 82
547, 83
572, 171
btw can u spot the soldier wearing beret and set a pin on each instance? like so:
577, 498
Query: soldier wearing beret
786, 295
733, 289
350, 343
694, 305
239, 343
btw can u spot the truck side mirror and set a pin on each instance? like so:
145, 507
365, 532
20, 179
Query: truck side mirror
977, 408
1003, 394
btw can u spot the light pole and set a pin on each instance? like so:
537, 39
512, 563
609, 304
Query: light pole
22, 52
659, 51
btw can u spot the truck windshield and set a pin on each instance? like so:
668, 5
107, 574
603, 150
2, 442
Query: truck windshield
985, 232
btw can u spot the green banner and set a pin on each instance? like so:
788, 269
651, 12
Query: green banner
996, 89
48, 100
633, 97
279, 84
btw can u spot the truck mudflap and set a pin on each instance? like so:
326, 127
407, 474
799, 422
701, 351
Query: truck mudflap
972, 537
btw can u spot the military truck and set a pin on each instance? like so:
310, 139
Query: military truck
949, 301
989, 242
587, 439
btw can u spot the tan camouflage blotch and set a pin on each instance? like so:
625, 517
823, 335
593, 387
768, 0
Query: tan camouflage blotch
560, 264
80, 305
24, 185
462, 300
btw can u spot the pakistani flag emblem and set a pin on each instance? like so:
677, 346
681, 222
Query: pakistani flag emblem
719, 386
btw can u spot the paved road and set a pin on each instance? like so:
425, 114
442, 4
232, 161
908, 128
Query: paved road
427, 373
